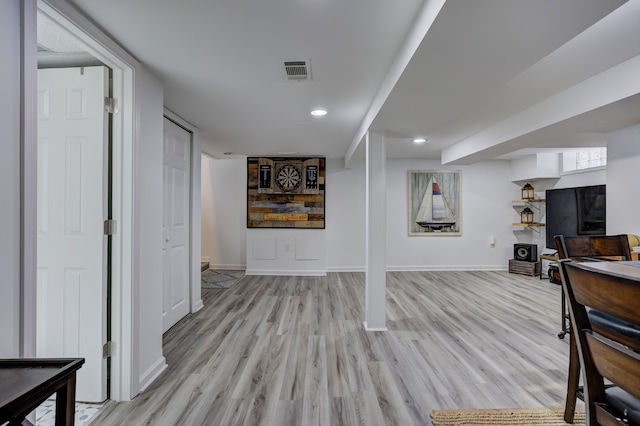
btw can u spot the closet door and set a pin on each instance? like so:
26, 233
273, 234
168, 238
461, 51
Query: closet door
176, 227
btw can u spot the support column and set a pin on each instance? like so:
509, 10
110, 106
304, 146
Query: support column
376, 274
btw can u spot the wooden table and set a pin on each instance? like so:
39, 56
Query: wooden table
626, 269
27, 383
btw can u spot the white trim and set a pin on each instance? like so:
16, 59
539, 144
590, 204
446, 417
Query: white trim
152, 373
230, 267
179, 120
367, 328
286, 273
28, 191
425, 268
346, 269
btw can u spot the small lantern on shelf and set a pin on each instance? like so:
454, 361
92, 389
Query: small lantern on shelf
526, 215
527, 192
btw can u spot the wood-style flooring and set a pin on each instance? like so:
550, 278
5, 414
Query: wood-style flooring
292, 351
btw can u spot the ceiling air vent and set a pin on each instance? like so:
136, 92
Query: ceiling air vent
297, 69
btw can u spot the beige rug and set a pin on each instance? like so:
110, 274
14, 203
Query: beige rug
506, 417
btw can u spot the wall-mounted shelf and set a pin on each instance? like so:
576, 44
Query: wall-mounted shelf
532, 225
535, 200
536, 204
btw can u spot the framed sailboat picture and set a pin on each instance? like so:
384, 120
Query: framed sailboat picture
434, 203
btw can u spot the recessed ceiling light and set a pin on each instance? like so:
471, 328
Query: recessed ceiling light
319, 112
419, 140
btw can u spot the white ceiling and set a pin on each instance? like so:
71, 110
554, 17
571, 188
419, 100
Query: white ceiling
484, 79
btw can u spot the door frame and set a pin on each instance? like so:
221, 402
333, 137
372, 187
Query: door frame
124, 366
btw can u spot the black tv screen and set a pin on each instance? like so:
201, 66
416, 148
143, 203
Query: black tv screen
575, 211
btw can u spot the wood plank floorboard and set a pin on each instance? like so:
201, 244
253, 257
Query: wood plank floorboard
292, 351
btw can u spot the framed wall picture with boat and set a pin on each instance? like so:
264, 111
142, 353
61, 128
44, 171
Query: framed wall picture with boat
434, 203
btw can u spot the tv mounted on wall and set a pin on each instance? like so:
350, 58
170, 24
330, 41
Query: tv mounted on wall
575, 211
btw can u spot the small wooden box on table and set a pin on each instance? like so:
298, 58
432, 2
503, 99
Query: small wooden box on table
531, 269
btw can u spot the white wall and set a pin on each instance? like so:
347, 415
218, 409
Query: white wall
286, 251
486, 211
148, 227
623, 176
224, 212
224, 198
487, 193
10, 248
594, 177
345, 216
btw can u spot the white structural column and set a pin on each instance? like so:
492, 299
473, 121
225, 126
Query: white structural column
376, 279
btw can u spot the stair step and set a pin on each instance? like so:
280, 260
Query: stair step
204, 266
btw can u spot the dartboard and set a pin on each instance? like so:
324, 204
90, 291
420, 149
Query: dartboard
288, 178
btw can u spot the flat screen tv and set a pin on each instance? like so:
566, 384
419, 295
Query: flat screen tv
575, 211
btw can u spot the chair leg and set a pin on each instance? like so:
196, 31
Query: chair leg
573, 380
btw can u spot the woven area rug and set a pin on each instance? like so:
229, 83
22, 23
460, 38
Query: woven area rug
219, 278
507, 416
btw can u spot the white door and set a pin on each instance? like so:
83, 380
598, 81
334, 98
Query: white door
176, 283
71, 278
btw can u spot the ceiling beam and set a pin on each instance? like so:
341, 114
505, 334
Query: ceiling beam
424, 20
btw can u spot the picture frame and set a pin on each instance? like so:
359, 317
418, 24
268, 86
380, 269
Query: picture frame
286, 192
435, 203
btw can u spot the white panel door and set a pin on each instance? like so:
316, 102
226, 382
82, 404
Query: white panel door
176, 283
71, 277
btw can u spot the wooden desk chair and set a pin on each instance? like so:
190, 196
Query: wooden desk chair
614, 356
607, 247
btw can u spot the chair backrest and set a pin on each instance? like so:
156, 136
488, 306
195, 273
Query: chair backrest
593, 246
601, 286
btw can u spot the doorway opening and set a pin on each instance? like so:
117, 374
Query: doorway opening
117, 183
73, 204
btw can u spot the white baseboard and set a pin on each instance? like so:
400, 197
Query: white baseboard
419, 268
198, 305
346, 269
403, 268
229, 267
425, 268
205, 259
286, 273
367, 328
152, 373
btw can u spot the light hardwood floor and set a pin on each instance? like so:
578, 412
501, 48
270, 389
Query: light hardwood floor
292, 351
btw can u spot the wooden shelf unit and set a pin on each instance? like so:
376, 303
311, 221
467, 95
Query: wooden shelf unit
534, 200
532, 224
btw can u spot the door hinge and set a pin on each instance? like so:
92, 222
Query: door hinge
108, 350
110, 227
111, 105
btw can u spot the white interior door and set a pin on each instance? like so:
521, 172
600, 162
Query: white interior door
176, 255
71, 277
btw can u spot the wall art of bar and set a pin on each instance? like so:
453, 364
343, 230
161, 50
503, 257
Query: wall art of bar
285, 192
